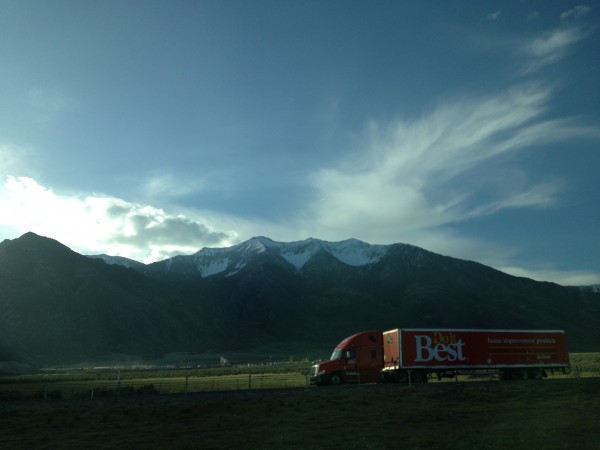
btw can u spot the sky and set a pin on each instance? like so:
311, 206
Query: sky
148, 129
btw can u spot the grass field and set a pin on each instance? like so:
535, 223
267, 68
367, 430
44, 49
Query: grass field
91, 383
585, 364
68, 389
245, 408
552, 414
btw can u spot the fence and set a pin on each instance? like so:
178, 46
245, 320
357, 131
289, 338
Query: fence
152, 386
48, 389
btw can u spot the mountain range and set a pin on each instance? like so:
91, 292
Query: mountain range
60, 307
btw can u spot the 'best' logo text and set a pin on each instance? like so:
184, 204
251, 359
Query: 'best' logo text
442, 347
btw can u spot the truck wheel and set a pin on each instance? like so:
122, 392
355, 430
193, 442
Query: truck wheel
335, 379
524, 374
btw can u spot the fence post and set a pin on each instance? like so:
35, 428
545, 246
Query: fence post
119, 384
249, 381
186, 386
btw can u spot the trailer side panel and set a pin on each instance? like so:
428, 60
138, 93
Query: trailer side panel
447, 348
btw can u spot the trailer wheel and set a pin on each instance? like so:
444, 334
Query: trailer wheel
335, 379
419, 376
536, 374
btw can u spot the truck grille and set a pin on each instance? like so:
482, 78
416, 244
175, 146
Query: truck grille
314, 370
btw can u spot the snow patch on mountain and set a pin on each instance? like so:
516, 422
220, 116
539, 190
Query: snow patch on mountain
213, 268
297, 259
211, 261
351, 251
118, 261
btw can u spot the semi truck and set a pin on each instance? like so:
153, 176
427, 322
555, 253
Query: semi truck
418, 355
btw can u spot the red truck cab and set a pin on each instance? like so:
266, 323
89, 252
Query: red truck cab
357, 359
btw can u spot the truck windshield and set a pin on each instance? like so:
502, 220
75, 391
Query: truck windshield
337, 354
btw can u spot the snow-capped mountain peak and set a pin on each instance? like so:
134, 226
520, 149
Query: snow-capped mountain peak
257, 244
211, 261
351, 251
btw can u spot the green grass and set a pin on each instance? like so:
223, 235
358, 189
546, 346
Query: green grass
553, 414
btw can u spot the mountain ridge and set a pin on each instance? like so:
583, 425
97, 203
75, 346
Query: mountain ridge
57, 306
214, 260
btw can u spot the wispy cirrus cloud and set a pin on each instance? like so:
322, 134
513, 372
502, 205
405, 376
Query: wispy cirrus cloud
168, 185
43, 105
12, 157
554, 45
493, 16
415, 178
542, 195
405, 180
575, 13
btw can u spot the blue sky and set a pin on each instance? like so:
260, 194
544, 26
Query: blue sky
153, 128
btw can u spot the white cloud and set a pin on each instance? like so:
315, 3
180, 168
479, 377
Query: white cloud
99, 224
575, 13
